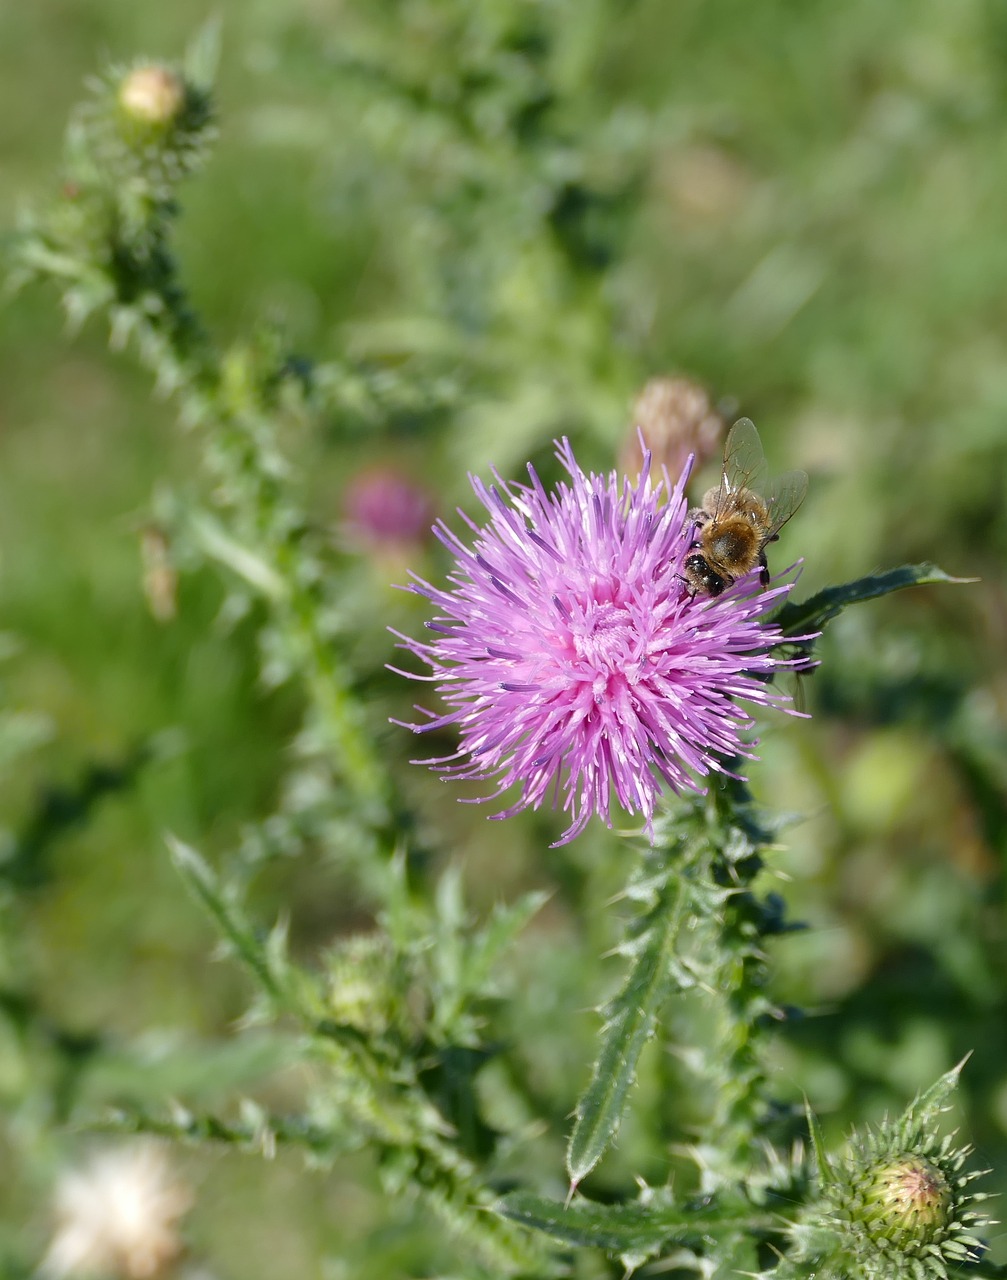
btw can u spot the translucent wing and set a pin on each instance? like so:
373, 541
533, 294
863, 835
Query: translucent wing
783, 497
744, 464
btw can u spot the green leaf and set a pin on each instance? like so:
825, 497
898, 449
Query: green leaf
202, 57
639, 1227
498, 935
826, 1174
931, 1102
800, 618
620, 1228
630, 1021
217, 544
230, 920
255, 1130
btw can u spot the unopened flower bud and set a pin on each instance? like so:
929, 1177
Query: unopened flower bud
153, 96
898, 1204
909, 1201
366, 988
676, 418
145, 127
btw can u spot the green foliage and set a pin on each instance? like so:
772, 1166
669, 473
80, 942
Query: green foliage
522, 210
814, 613
700, 929
896, 1203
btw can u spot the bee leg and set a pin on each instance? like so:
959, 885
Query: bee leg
764, 575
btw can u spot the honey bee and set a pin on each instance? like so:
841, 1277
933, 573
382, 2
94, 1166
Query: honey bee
740, 516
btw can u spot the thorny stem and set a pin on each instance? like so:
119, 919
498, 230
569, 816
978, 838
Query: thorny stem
174, 345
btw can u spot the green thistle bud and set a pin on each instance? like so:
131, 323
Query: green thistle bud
142, 130
897, 1205
904, 1214
359, 983
908, 1202
370, 987
162, 119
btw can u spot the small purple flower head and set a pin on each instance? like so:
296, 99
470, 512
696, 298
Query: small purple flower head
387, 511
572, 657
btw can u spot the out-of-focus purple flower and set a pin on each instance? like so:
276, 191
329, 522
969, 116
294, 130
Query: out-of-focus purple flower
386, 511
572, 657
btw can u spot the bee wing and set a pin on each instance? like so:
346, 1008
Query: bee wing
783, 497
744, 463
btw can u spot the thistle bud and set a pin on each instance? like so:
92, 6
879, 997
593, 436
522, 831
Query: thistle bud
897, 1205
359, 992
908, 1201
675, 418
153, 96
906, 1214
145, 128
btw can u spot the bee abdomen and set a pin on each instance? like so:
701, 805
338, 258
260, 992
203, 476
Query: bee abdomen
736, 542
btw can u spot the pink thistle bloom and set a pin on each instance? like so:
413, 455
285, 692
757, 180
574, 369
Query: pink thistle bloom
572, 657
386, 510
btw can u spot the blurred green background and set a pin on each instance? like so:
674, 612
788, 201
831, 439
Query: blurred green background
803, 207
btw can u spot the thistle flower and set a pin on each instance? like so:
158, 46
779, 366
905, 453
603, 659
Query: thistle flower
386, 511
572, 657
118, 1215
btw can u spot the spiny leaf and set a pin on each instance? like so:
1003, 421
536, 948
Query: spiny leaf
637, 1227
823, 1167
216, 543
631, 1016
802, 617
200, 877
202, 57
499, 933
616, 1227
256, 1130
931, 1102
